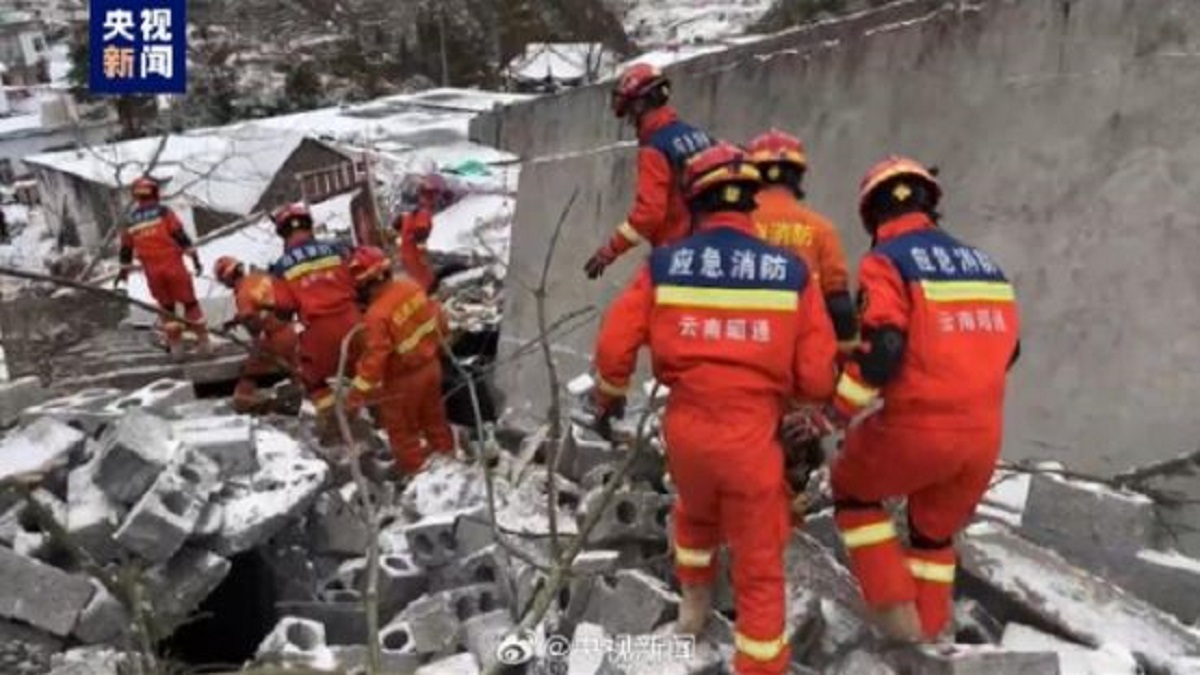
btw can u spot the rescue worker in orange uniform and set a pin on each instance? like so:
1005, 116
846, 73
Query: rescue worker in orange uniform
735, 328
414, 229
665, 143
154, 235
939, 333
319, 284
264, 309
400, 369
783, 219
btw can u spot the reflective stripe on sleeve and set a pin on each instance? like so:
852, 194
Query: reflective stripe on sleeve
855, 392
631, 235
412, 341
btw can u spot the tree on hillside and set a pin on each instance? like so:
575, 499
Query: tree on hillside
302, 88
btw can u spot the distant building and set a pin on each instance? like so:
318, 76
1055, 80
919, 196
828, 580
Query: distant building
23, 48
52, 122
550, 67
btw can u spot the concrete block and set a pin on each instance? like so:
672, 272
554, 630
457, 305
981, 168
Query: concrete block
229, 441
296, 642
1089, 524
92, 516
1073, 658
178, 587
444, 487
976, 660
344, 622
225, 369
484, 633
815, 579
1066, 598
17, 395
103, 620
159, 396
974, 624
41, 595
583, 450
281, 490
438, 540
135, 450
201, 408
630, 516
335, 527
431, 624
400, 581
167, 514
1168, 580
459, 664
480, 567
598, 477
39, 448
83, 410
630, 602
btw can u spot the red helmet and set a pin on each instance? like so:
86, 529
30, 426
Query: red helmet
895, 167
637, 81
722, 164
144, 187
778, 147
291, 216
227, 269
367, 264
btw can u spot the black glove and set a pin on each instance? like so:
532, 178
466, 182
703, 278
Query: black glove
600, 260
196, 266
122, 277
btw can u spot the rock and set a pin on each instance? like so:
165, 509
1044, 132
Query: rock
41, 595
92, 516
630, 516
459, 664
826, 611
283, 488
228, 441
159, 396
17, 395
104, 619
1089, 524
1073, 659
178, 587
296, 642
335, 527
135, 451
484, 633
168, 513
38, 448
976, 660
1072, 601
444, 487
83, 410
630, 602
94, 661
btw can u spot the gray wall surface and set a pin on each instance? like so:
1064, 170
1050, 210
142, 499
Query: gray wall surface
1068, 135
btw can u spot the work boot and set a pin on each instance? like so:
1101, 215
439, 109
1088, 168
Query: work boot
694, 608
899, 622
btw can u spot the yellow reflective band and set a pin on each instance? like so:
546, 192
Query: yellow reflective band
693, 557
966, 291
412, 341
931, 571
610, 388
363, 384
759, 650
626, 230
854, 391
312, 266
868, 535
727, 298
324, 402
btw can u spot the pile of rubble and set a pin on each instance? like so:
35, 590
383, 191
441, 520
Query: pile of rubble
1057, 576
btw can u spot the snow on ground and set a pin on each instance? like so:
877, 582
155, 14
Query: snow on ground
1005, 501
476, 224
31, 242
657, 22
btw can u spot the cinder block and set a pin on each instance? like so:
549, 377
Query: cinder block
167, 514
630, 602
137, 448
480, 567
431, 624
41, 595
83, 410
459, 664
345, 623
228, 441
400, 581
254, 511
17, 395
1089, 524
335, 527
295, 642
39, 448
484, 632
1072, 658
630, 516
976, 660
399, 654
178, 587
224, 369
1168, 580
583, 450
159, 396
103, 620
436, 541
975, 624
92, 516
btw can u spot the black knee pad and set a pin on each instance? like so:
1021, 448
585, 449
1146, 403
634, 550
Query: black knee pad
918, 540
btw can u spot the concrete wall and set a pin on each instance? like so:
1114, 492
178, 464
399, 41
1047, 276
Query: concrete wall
1066, 134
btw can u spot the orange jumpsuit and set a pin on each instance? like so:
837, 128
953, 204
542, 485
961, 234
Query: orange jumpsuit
401, 370
321, 290
414, 229
155, 236
259, 298
783, 220
735, 328
937, 437
659, 214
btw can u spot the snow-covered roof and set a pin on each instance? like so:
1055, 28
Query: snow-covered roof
561, 61
227, 172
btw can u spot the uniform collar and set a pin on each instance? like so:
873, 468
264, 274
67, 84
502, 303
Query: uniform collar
909, 222
732, 220
654, 120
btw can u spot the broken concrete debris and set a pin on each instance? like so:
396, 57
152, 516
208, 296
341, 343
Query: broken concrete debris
40, 595
135, 451
38, 448
18, 395
159, 396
